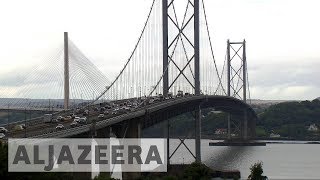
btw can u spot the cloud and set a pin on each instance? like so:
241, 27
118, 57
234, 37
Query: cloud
285, 79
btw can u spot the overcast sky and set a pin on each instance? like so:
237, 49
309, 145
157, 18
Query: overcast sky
283, 36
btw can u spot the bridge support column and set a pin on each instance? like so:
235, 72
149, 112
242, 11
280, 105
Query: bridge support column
133, 130
198, 134
244, 75
197, 80
103, 133
252, 125
245, 125
229, 126
228, 68
196, 48
168, 142
66, 71
165, 47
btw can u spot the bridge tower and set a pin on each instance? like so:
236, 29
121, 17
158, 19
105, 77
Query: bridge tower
237, 71
66, 72
196, 58
234, 69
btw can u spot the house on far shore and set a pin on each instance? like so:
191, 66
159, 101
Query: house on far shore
313, 128
220, 131
274, 135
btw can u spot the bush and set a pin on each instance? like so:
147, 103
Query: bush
256, 172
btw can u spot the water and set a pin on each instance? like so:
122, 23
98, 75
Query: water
280, 161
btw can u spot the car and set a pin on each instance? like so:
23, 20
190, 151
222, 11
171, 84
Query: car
96, 109
72, 115
60, 118
78, 110
151, 101
86, 112
18, 127
2, 135
83, 120
3, 130
101, 116
60, 126
126, 108
114, 112
180, 93
54, 120
74, 124
67, 118
106, 112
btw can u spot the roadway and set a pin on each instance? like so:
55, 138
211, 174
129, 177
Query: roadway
37, 126
44, 130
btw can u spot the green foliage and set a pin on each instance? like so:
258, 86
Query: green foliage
3, 160
290, 119
304, 113
256, 172
197, 171
260, 131
183, 124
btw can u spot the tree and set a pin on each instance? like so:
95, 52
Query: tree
256, 172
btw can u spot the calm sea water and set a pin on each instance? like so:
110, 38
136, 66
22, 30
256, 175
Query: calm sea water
280, 161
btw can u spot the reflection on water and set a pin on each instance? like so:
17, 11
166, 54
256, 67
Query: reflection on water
281, 161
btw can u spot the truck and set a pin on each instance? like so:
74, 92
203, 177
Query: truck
180, 93
47, 118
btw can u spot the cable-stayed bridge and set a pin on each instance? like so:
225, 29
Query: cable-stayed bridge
171, 70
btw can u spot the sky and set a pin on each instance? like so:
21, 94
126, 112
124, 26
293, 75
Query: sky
283, 51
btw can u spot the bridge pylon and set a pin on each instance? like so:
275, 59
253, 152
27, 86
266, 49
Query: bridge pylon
66, 72
237, 70
237, 81
168, 45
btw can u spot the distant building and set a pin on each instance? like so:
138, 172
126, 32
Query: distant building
313, 127
274, 135
220, 131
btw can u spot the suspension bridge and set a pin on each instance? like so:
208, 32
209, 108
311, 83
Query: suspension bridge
171, 70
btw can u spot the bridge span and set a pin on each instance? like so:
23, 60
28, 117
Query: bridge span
157, 112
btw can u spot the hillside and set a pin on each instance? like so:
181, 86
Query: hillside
290, 119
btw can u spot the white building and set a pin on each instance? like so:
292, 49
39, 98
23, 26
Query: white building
313, 127
274, 135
